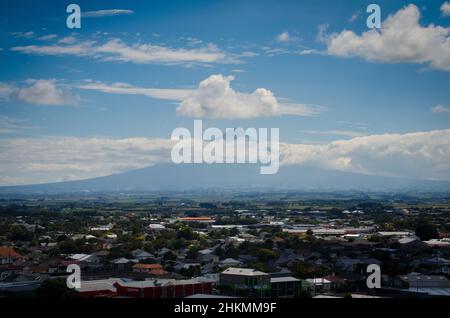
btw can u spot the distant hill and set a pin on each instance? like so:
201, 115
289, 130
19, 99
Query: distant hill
173, 177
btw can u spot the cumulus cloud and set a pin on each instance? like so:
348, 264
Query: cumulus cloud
421, 155
445, 9
51, 159
440, 109
38, 92
401, 40
139, 53
214, 98
105, 13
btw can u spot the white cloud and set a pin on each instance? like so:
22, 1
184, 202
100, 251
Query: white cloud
105, 13
440, 109
68, 40
127, 89
47, 37
421, 155
26, 35
445, 9
38, 92
354, 16
401, 40
283, 37
344, 133
52, 159
214, 98
9, 125
117, 50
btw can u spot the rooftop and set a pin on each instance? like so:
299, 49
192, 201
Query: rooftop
243, 272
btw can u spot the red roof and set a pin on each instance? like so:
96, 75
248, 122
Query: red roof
158, 272
147, 266
6, 251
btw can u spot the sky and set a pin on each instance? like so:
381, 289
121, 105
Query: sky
103, 99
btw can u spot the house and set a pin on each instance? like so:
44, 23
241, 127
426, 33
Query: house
207, 256
122, 264
9, 256
336, 283
282, 287
141, 255
245, 282
320, 284
180, 266
229, 262
21, 283
102, 228
156, 227
418, 281
442, 243
89, 262
148, 268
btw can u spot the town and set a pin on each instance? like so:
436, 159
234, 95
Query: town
255, 245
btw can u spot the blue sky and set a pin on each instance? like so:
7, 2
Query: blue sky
59, 83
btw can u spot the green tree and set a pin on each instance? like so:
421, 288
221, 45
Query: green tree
54, 288
426, 230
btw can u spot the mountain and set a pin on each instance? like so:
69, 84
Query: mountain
171, 177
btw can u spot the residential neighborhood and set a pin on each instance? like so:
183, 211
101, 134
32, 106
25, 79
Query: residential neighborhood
246, 249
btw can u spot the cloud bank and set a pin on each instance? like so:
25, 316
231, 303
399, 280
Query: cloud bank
420, 155
51, 159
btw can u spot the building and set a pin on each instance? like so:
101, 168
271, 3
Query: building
282, 287
245, 282
122, 264
168, 288
146, 268
201, 219
141, 255
9, 256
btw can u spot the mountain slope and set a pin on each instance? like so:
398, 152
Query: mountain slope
196, 177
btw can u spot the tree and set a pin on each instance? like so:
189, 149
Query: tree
20, 233
425, 230
265, 254
54, 288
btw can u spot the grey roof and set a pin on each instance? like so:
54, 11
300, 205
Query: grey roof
283, 279
243, 271
230, 261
